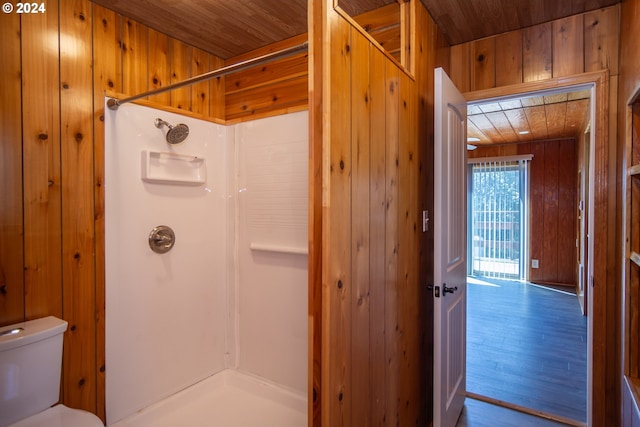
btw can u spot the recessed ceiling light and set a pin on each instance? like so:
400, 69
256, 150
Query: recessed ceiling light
524, 132
473, 139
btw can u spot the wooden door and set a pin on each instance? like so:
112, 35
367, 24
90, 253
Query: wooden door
450, 247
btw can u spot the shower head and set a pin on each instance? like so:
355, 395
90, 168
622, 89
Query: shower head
176, 134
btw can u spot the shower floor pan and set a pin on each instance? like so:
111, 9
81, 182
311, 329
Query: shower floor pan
227, 399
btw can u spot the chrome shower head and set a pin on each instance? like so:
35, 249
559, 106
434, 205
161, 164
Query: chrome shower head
176, 134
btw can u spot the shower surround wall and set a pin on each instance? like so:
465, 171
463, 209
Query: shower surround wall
210, 303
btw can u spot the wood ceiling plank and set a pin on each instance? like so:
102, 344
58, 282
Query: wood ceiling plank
465, 21
511, 104
576, 115
482, 122
520, 124
555, 98
532, 101
556, 119
225, 28
537, 121
474, 132
503, 126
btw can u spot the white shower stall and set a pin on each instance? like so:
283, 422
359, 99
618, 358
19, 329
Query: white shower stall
219, 321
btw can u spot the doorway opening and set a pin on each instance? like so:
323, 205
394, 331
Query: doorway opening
499, 248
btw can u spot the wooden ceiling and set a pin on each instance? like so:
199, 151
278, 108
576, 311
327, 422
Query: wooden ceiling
466, 20
532, 118
228, 28
225, 28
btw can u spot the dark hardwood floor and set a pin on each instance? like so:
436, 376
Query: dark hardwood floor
527, 345
481, 414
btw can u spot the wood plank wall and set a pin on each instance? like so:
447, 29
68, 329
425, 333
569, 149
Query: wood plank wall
629, 85
273, 88
372, 157
552, 208
580, 43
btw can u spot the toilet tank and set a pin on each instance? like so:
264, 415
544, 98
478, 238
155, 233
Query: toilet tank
30, 364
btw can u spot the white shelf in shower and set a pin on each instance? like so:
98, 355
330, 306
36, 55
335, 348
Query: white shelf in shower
171, 168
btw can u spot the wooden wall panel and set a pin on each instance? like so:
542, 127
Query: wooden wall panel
483, 60
78, 273
377, 221
572, 45
41, 156
460, 66
508, 58
567, 208
568, 46
337, 396
537, 52
602, 39
549, 256
107, 69
360, 228
11, 226
180, 71
271, 88
135, 52
392, 406
200, 92
158, 65
376, 325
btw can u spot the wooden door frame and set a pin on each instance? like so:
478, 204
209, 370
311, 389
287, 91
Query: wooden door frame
603, 329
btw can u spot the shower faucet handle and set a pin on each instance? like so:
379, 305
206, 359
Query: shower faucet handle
161, 239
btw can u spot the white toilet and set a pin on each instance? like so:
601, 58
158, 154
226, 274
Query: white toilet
30, 364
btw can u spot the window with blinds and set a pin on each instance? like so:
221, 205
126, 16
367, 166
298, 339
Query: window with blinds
498, 212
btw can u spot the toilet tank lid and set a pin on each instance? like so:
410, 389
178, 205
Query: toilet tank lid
31, 331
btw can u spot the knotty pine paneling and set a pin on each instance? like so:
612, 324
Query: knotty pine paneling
568, 46
537, 52
53, 124
377, 249
572, 45
159, 68
391, 404
375, 355
270, 88
508, 58
42, 205
107, 69
360, 233
552, 206
76, 160
180, 71
11, 225
483, 58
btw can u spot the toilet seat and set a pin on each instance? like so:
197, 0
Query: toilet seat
60, 416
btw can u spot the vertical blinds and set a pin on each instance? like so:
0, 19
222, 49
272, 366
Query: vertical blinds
498, 217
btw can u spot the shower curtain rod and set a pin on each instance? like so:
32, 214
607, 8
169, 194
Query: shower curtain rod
114, 103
